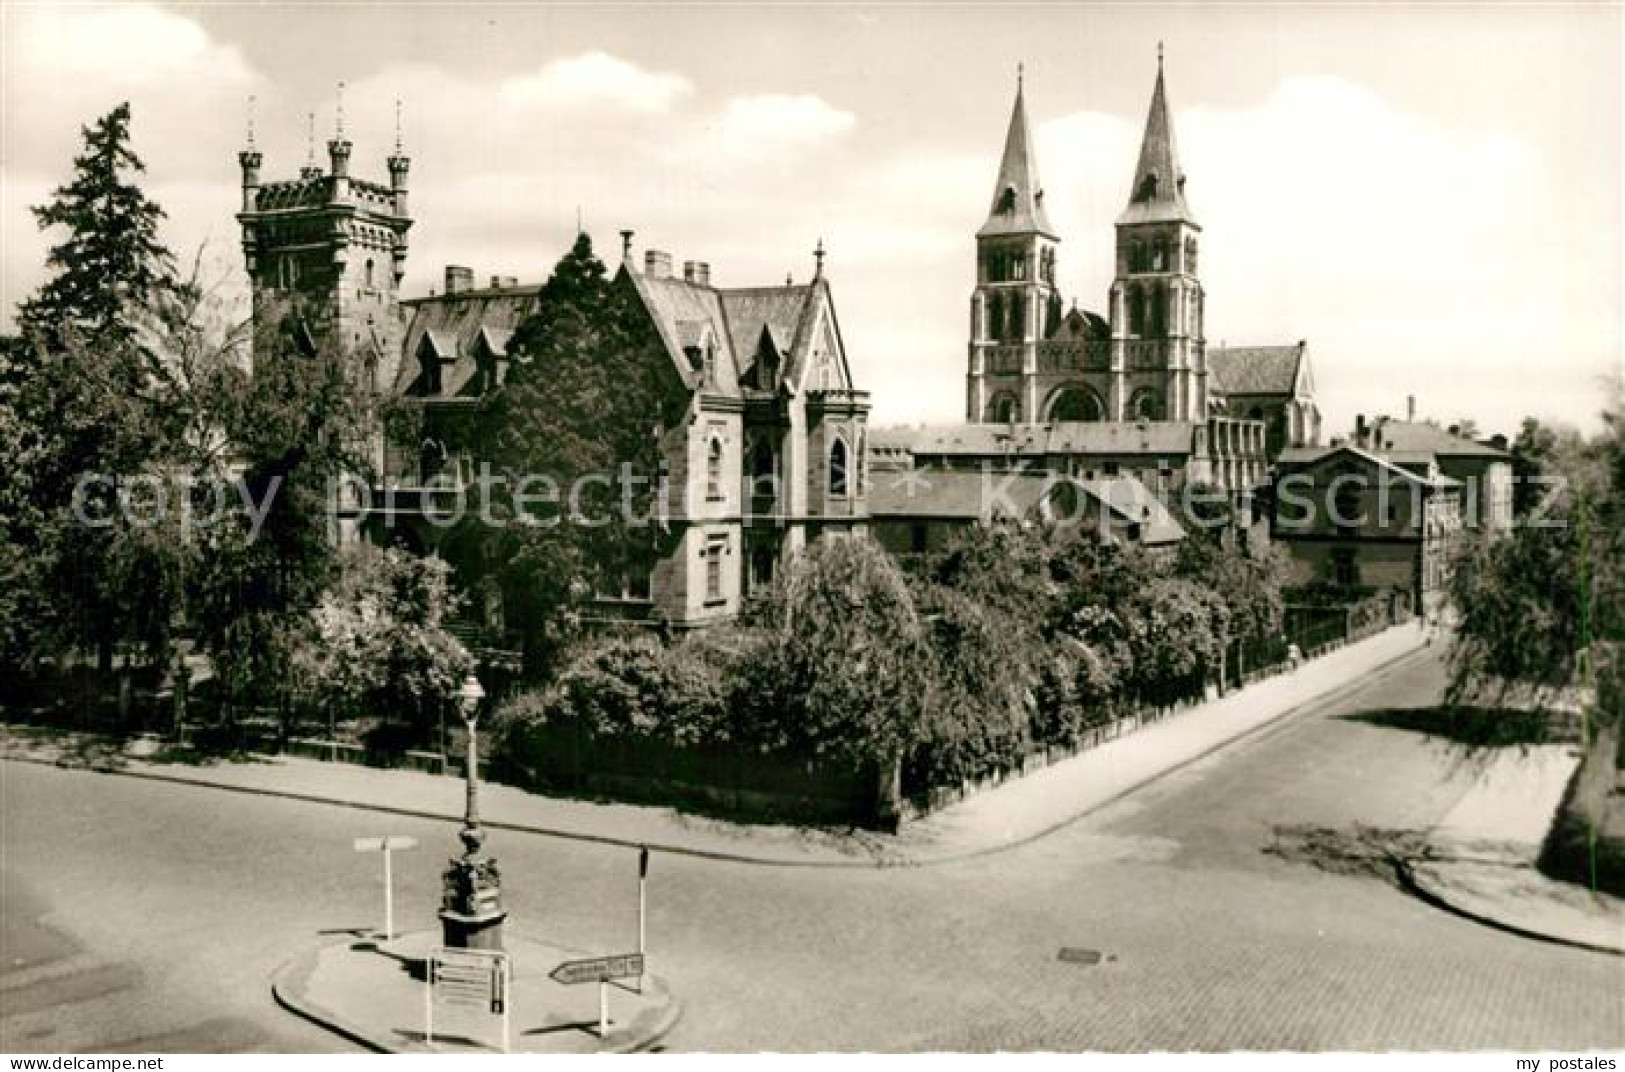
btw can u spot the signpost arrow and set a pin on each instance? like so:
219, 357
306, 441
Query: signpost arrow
598, 969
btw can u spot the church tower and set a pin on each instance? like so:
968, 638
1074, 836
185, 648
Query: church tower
329, 250
1015, 305
1158, 362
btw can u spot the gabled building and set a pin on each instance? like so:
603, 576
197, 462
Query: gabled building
919, 511
1484, 471
1354, 521
1272, 384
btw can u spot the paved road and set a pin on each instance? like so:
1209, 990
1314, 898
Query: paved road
182, 900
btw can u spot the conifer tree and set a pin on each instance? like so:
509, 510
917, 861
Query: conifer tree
112, 270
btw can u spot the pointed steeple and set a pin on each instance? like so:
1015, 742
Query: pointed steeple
1158, 192
1018, 197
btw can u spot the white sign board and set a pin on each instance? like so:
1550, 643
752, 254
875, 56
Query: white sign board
474, 982
387, 844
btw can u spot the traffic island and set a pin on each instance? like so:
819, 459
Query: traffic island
377, 994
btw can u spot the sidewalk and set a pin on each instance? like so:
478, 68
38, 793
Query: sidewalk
1018, 811
1480, 860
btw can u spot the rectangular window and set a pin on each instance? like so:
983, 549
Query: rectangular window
917, 539
1345, 569
714, 550
1111, 468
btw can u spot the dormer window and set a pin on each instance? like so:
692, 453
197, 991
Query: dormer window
1007, 200
1148, 187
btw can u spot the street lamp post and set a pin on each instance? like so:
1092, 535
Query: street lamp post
471, 911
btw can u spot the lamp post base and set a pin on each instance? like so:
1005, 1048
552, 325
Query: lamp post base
482, 931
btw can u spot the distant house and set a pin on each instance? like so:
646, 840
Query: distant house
916, 511
1272, 384
1485, 472
1354, 521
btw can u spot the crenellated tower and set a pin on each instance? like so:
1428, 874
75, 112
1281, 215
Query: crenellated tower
329, 249
1015, 305
1158, 360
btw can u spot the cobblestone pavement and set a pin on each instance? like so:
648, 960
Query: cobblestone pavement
1206, 940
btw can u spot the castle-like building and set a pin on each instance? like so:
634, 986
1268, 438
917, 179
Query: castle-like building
772, 451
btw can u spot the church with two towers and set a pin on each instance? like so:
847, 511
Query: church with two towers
1135, 392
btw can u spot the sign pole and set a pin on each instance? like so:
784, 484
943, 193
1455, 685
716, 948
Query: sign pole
428, 1004
643, 904
389, 896
603, 1009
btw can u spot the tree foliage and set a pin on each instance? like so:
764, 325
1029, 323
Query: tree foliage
587, 401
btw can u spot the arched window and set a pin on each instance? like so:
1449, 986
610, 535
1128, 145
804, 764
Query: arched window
1076, 404
837, 468
1146, 405
713, 469
1004, 409
1158, 302
431, 460
369, 273
1136, 312
1018, 319
995, 317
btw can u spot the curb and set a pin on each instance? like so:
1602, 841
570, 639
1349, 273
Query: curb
288, 984
1364, 679
1429, 894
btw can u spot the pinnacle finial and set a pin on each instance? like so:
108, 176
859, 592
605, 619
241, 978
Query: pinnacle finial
397, 126
251, 122
1021, 76
339, 112
310, 139
1159, 57
818, 259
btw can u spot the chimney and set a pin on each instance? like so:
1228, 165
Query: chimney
458, 279
657, 264
702, 273
688, 272
1359, 430
626, 248
1410, 408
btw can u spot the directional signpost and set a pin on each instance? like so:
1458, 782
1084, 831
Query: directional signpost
472, 979
386, 845
599, 970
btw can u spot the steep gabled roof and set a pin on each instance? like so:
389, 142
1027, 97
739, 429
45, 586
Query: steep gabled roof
1132, 501
1018, 196
1158, 192
1256, 370
456, 329
1300, 458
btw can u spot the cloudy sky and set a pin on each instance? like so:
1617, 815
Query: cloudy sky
1431, 196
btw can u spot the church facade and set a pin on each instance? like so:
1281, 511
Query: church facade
771, 453
1034, 363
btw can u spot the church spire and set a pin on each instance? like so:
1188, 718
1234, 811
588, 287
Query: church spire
1018, 197
1158, 192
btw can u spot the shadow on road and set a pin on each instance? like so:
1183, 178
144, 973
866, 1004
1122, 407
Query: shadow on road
1475, 727
1361, 851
